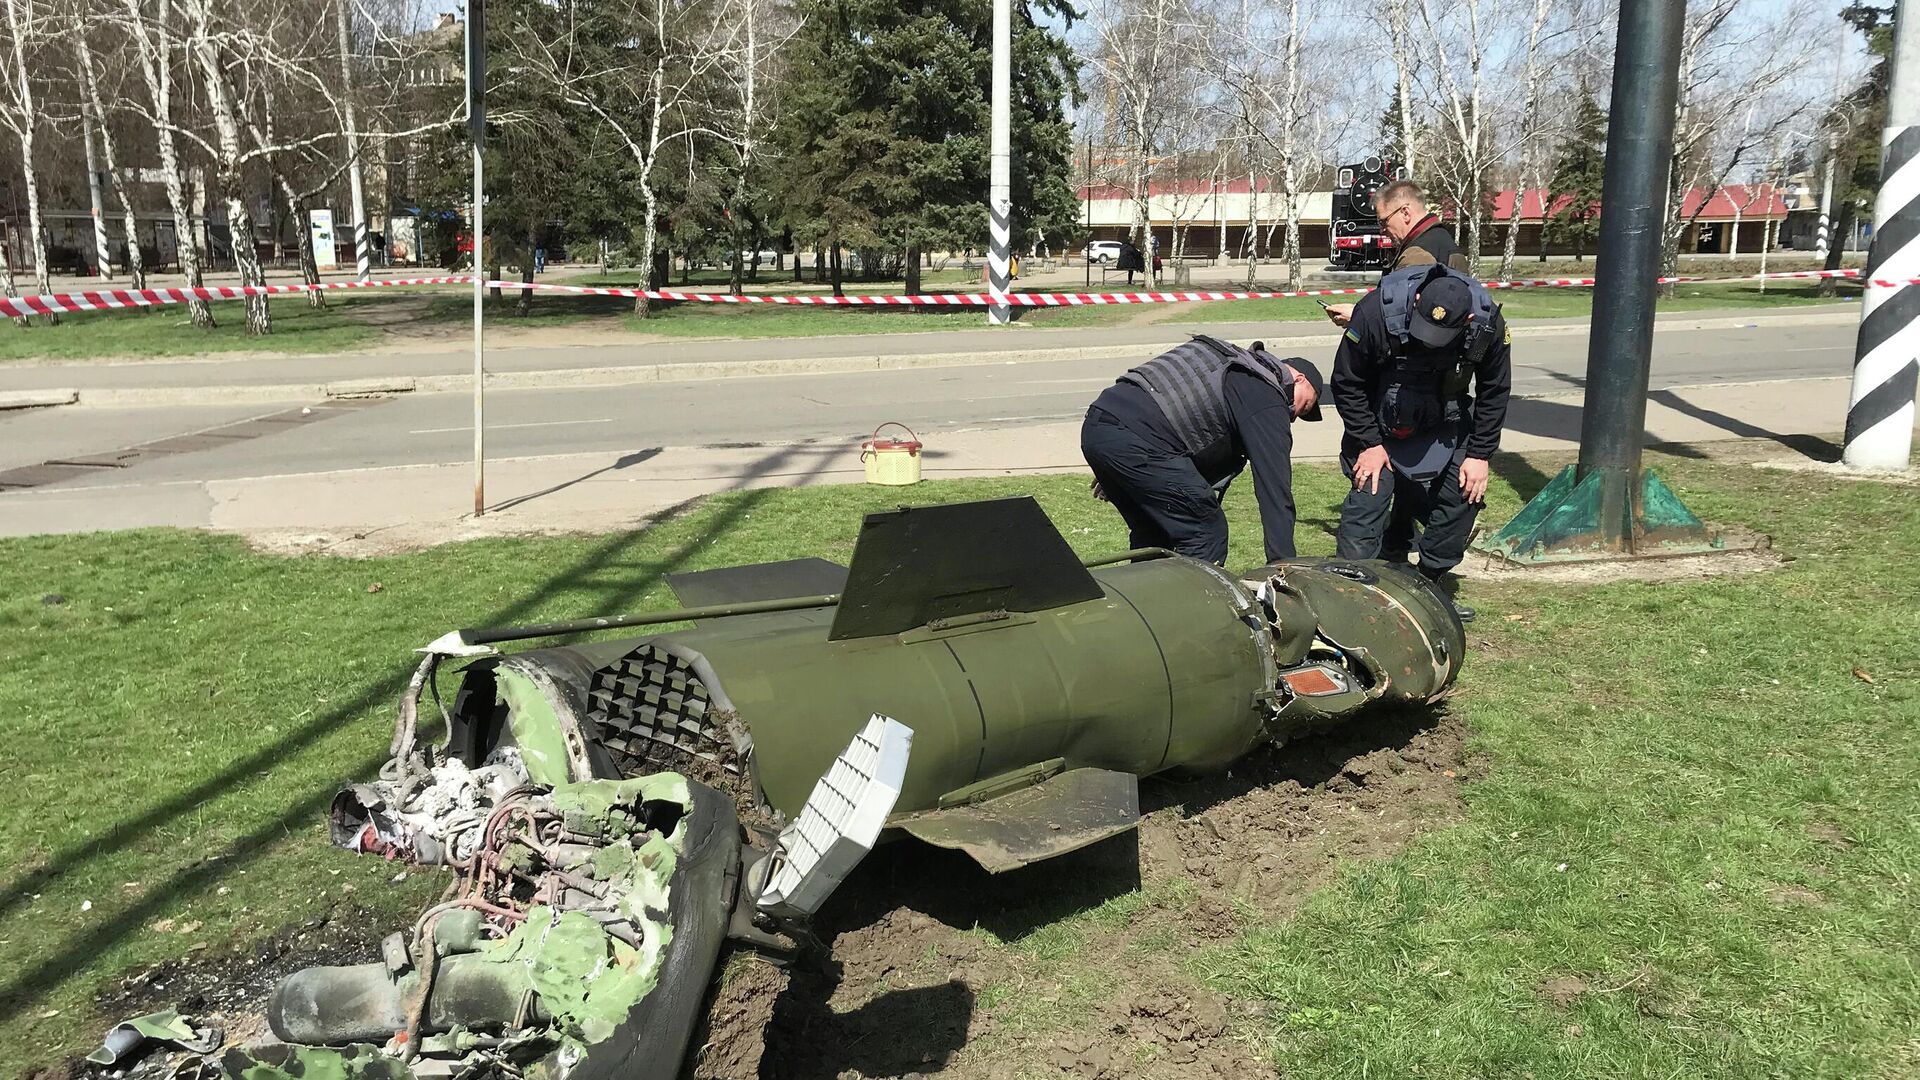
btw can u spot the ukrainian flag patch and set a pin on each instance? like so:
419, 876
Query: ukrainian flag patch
1353, 335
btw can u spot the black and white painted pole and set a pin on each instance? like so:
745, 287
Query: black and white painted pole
1886, 364
1000, 168
476, 229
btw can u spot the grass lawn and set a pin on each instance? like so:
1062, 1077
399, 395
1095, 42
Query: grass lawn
167, 331
1539, 303
1689, 798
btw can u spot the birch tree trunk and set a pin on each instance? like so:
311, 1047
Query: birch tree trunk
7, 284
296, 204
25, 120
1513, 225
226, 124
1142, 212
1476, 158
1529, 124
95, 108
156, 66
1403, 61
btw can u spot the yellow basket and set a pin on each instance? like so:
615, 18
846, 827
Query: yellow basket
892, 462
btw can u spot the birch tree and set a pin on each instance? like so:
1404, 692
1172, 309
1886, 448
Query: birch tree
1464, 168
1525, 149
644, 69
1139, 44
151, 36
1735, 61
25, 26
1404, 60
93, 105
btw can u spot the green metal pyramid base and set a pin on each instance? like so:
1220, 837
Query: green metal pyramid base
1562, 523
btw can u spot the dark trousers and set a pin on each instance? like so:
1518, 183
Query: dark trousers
1380, 524
1164, 498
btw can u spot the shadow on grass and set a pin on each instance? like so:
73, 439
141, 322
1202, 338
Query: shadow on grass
82, 946
1811, 446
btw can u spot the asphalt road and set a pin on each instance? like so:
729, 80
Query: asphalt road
842, 408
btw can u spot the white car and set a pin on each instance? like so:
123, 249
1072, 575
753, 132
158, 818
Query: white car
1103, 251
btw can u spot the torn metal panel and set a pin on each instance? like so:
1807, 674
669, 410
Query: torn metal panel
1053, 817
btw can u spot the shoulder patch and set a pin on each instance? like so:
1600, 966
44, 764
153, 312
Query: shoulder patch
1353, 335
1508, 334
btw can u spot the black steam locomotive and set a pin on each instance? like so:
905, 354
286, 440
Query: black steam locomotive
1358, 243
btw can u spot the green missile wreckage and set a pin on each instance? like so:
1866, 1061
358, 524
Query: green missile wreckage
621, 813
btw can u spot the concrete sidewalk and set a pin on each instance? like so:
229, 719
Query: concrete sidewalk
227, 380
420, 505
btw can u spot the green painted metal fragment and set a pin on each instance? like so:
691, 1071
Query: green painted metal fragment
535, 726
283, 1062
587, 979
1563, 522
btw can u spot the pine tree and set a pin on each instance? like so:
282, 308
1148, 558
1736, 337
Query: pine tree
1574, 192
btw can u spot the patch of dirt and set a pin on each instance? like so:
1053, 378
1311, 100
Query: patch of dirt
375, 543
1742, 556
903, 984
1563, 990
228, 988
1795, 896
1276, 827
1829, 834
733, 1040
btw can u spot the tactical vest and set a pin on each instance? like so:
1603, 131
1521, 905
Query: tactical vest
1188, 383
1422, 387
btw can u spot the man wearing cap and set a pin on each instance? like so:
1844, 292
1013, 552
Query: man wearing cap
1417, 443
1167, 438
1418, 237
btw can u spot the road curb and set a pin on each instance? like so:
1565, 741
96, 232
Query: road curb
37, 399
708, 370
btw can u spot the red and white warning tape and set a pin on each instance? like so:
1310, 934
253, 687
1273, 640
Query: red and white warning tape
45, 304
102, 299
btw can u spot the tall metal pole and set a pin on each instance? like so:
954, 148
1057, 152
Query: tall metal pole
1885, 371
1087, 252
355, 177
477, 131
1646, 78
1000, 167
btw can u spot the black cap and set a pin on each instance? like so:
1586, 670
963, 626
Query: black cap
1305, 369
1440, 311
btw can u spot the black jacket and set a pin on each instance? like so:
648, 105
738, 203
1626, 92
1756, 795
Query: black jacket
1431, 242
1360, 363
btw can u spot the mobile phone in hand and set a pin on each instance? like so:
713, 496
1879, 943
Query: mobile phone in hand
1324, 306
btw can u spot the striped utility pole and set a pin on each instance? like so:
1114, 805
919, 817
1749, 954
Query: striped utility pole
102, 259
356, 183
1885, 372
1000, 167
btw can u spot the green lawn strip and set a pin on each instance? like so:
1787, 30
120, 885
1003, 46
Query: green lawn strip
1537, 303
1734, 810
698, 320
165, 330
181, 720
